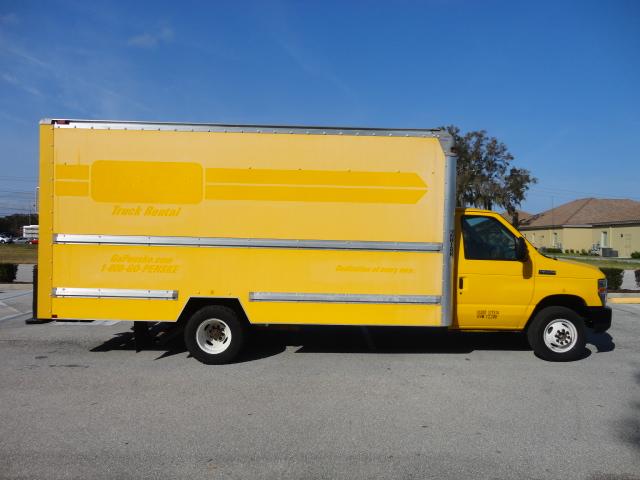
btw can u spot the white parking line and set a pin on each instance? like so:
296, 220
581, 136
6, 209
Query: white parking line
16, 315
30, 292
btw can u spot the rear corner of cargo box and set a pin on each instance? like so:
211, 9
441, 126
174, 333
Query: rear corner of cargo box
42, 283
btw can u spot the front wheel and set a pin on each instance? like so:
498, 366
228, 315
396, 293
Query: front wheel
214, 335
557, 334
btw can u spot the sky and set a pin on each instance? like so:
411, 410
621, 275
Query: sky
557, 81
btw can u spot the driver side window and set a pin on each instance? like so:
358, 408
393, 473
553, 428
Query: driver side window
485, 238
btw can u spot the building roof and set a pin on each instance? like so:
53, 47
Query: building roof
586, 212
522, 216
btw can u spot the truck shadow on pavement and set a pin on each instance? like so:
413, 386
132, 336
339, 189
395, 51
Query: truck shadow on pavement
393, 340
267, 342
167, 339
126, 341
602, 341
406, 340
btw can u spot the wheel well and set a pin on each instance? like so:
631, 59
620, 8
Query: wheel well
572, 302
196, 303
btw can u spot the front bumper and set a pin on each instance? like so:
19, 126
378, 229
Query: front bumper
598, 318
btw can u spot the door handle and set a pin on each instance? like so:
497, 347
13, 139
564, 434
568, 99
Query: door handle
460, 283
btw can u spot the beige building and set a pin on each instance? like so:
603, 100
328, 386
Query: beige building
586, 224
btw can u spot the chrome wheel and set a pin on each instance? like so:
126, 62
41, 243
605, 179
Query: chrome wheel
560, 335
213, 336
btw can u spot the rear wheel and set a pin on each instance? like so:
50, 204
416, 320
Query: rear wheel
214, 335
557, 334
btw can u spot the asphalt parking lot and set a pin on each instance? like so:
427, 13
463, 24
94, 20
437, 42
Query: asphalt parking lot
80, 402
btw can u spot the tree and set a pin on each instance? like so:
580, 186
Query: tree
12, 224
485, 177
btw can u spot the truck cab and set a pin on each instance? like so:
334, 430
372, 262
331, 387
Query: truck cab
503, 283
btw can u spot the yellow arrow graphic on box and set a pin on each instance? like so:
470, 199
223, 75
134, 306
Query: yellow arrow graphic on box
313, 185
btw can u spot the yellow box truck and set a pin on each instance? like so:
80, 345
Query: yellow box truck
219, 227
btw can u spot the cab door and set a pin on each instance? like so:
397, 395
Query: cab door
494, 287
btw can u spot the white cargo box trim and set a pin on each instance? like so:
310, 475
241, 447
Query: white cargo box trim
441, 135
115, 293
342, 298
63, 238
448, 238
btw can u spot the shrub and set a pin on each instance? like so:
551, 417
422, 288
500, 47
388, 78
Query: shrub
583, 252
614, 277
635, 254
8, 272
637, 272
553, 250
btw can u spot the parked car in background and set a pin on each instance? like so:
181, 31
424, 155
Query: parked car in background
5, 238
33, 241
21, 240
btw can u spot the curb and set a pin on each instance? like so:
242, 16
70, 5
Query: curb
624, 300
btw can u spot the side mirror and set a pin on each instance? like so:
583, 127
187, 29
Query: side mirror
522, 253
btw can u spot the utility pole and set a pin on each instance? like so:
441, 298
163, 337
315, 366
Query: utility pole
553, 224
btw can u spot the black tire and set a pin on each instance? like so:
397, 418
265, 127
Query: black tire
569, 340
202, 342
